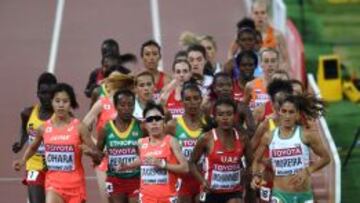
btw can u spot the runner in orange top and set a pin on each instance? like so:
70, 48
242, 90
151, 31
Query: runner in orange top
160, 160
65, 139
271, 37
31, 119
226, 156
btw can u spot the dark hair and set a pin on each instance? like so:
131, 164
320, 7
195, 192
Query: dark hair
246, 22
117, 68
294, 81
197, 48
246, 30
149, 43
190, 85
144, 73
179, 54
63, 87
211, 123
180, 61
109, 42
276, 86
46, 78
152, 105
306, 104
124, 92
243, 54
128, 57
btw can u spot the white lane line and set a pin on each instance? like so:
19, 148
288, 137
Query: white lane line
56, 35
155, 19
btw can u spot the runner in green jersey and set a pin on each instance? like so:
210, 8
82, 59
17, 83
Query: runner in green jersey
120, 138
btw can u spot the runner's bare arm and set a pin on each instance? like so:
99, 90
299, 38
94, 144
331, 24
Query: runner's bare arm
89, 147
260, 131
31, 149
200, 148
23, 135
247, 93
182, 166
317, 146
244, 111
170, 127
101, 139
258, 166
91, 116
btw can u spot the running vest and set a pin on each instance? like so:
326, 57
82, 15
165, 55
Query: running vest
63, 155
290, 155
175, 107
36, 162
108, 112
102, 91
155, 181
158, 86
121, 148
187, 137
238, 93
224, 167
270, 39
258, 94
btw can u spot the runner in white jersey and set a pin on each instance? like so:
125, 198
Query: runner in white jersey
289, 146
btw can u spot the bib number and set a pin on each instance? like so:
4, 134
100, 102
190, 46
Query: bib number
265, 193
32, 175
109, 188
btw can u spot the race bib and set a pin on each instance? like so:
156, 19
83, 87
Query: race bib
60, 157
115, 160
265, 193
222, 180
32, 175
153, 175
186, 151
109, 188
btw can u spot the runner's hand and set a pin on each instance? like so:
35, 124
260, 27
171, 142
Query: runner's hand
18, 164
299, 178
16, 147
257, 182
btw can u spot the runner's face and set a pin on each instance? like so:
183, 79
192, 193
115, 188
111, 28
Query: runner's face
145, 88
151, 57
210, 50
259, 15
288, 115
108, 49
154, 127
197, 62
61, 104
224, 116
44, 94
125, 107
247, 41
269, 62
247, 67
192, 101
182, 72
223, 87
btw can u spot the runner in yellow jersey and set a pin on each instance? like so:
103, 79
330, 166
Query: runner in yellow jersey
32, 118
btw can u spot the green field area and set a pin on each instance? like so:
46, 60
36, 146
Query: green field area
327, 29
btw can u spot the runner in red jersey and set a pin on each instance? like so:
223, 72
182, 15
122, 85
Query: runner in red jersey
65, 139
171, 93
225, 151
151, 55
160, 160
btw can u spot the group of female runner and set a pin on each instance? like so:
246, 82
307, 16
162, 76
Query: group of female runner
209, 133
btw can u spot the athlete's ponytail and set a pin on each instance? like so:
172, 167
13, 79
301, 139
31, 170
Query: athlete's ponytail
307, 104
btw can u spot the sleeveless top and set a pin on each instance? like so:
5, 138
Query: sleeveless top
122, 148
108, 112
175, 107
238, 93
258, 94
36, 162
288, 155
157, 182
63, 155
223, 170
